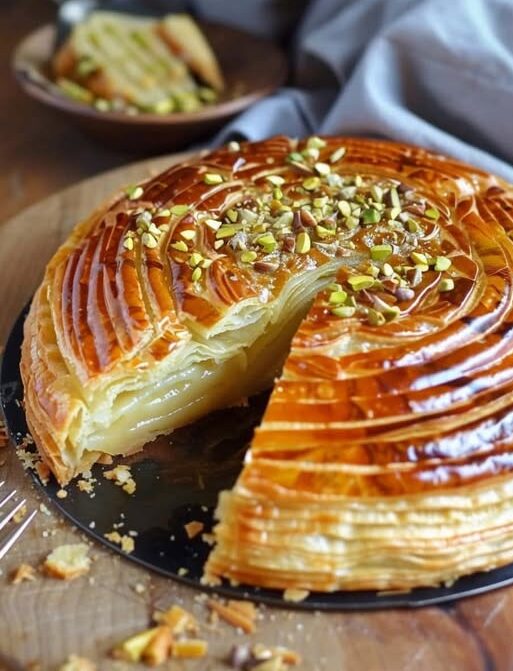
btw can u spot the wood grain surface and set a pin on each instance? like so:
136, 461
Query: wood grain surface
42, 622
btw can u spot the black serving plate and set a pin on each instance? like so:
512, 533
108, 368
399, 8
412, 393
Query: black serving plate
178, 481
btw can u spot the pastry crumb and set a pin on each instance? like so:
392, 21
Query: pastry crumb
20, 515
24, 573
139, 588
76, 663
62, 494
125, 541
179, 620
295, 595
67, 562
240, 614
192, 529
45, 510
189, 648
122, 477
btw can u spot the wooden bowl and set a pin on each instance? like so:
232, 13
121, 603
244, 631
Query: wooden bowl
252, 67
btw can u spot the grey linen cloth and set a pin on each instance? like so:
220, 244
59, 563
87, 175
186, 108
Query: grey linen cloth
437, 73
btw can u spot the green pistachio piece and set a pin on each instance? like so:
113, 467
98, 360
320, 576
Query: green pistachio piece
371, 216
432, 213
322, 169
315, 142
446, 284
196, 274
343, 311
303, 243
344, 208
376, 193
213, 224
375, 318
359, 282
188, 234
442, 263
248, 256
226, 232
179, 210
337, 297
275, 180
380, 252
134, 192
311, 183
212, 178
338, 154
419, 258
195, 259
180, 246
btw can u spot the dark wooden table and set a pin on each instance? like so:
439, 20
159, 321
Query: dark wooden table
46, 620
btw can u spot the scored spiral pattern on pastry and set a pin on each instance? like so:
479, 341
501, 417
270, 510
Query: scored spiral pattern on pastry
383, 460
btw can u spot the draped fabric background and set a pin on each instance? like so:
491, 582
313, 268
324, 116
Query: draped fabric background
438, 73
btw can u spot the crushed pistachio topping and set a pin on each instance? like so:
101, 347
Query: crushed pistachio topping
388, 231
212, 178
134, 192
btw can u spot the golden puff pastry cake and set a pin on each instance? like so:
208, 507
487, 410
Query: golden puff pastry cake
383, 457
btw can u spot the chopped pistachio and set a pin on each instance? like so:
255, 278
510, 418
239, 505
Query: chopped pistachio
213, 224
311, 152
372, 270
277, 193
442, 263
394, 212
311, 183
179, 210
315, 142
376, 193
348, 192
75, 91
338, 297
163, 213
413, 226
180, 246
295, 156
446, 284
391, 313
232, 215
102, 105
351, 222
358, 180
134, 192
226, 232
284, 220
388, 271
143, 219
375, 318
164, 106
128, 243
322, 169
248, 256
275, 180
393, 199
423, 267
267, 241
154, 230
334, 286
418, 258
359, 282
323, 232
218, 244
195, 259
320, 202
338, 154
303, 243
149, 241
196, 274
371, 216
212, 178
380, 252
432, 213
343, 311
344, 208
206, 263
233, 146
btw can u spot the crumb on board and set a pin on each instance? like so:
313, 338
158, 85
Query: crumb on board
125, 541
261, 657
122, 477
179, 620
192, 529
62, 494
20, 515
139, 588
45, 510
76, 663
240, 614
295, 595
67, 562
24, 573
209, 539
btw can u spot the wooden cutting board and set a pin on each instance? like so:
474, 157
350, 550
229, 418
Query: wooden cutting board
46, 620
